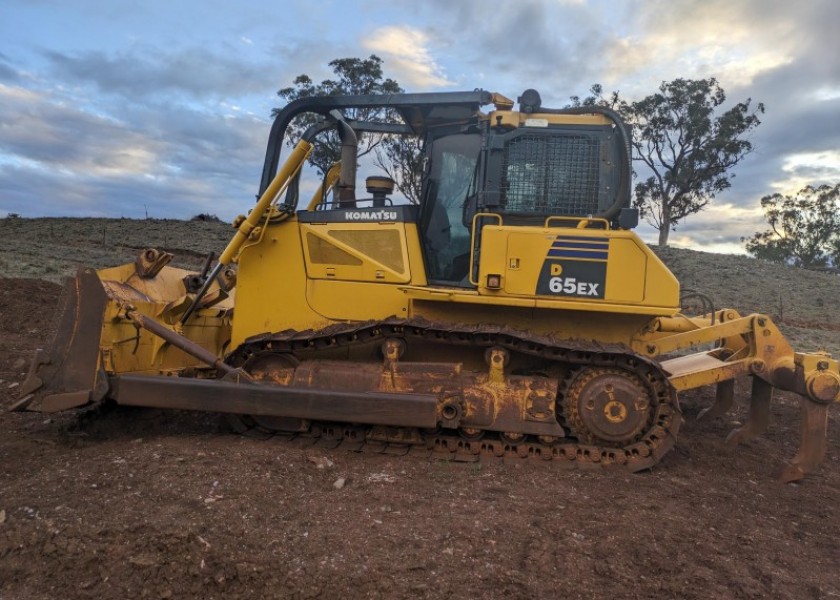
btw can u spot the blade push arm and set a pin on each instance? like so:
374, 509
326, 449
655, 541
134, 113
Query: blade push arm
249, 223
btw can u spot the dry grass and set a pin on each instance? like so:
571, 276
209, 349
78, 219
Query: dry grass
54, 248
804, 303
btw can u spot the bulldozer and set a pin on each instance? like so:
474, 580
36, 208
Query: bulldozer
512, 312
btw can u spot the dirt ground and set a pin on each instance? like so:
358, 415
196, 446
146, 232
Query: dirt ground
144, 504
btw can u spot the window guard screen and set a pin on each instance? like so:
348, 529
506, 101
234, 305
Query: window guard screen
543, 174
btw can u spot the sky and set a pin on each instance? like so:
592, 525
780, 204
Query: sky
162, 109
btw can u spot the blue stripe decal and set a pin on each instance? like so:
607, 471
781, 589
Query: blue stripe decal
583, 245
559, 253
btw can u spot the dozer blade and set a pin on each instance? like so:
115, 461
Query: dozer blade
64, 375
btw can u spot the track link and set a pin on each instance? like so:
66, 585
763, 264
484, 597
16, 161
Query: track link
645, 451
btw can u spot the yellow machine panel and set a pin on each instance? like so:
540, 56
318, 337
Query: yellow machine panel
272, 276
584, 269
340, 272
374, 252
354, 301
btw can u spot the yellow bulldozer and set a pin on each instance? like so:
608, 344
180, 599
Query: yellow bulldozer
511, 312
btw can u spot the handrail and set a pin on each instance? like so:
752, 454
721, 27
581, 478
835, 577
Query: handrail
582, 222
475, 218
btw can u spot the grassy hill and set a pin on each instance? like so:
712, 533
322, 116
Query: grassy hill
53, 248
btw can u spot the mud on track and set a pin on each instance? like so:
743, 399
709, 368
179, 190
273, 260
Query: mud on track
145, 504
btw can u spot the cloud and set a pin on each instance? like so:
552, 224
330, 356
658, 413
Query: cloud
407, 55
795, 125
638, 63
60, 158
39, 129
736, 42
771, 51
808, 168
85, 195
733, 41
140, 73
718, 228
7, 72
551, 46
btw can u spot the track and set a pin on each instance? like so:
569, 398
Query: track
581, 449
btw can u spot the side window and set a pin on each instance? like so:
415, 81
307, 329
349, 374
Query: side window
446, 240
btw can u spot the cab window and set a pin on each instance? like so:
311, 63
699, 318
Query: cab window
446, 239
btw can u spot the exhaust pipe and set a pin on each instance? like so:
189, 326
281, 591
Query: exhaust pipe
349, 152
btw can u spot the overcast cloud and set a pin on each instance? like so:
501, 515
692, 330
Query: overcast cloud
162, 108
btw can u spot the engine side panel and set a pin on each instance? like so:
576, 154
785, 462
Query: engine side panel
585, 269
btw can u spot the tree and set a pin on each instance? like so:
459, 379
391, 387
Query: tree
804, 229
596, 98
835, 252
402, 159
687, 150
399, 156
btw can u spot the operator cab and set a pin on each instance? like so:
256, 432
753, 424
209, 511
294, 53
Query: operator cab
536, 167
524, 168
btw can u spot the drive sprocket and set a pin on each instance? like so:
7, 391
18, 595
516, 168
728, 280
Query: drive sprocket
607, 405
